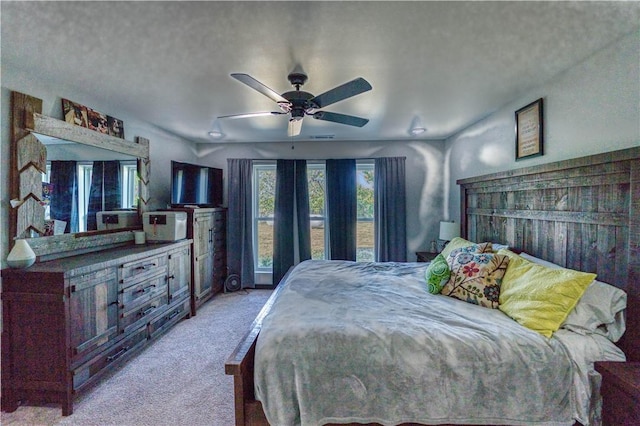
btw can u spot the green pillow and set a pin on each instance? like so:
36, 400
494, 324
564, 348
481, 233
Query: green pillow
437, 274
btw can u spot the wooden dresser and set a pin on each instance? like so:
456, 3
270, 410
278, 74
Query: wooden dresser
68, 321
620, 392
208, 229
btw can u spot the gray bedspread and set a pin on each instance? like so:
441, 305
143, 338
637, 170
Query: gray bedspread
366, 342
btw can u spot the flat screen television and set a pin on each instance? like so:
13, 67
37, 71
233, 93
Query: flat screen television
193, 185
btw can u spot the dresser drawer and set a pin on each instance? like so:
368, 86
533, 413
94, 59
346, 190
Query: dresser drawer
166, 320
142, 292
119, 351
142, 313
134, 272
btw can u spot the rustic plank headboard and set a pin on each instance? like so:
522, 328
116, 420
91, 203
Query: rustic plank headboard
582, 214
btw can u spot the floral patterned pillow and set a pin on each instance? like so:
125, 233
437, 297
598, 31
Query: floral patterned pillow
476, 277
472, 248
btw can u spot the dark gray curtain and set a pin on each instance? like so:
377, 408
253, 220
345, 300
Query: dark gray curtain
64, 197
105, 193
390, 210
292, 196
302, 208
341, 208
240, 222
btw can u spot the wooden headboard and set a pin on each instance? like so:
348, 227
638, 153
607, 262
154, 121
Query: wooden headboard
582, 214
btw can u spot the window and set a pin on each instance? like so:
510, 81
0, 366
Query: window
264, 184
365, 233
264, 199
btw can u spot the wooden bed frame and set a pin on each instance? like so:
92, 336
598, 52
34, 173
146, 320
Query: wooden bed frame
583, 214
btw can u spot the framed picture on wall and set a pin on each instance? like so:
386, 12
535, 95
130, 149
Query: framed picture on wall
529, 130
75, 113
116, 127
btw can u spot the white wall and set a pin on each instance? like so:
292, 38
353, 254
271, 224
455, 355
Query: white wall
592, 108
424, 173
163, 146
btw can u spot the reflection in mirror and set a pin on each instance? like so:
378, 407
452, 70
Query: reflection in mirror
81, 182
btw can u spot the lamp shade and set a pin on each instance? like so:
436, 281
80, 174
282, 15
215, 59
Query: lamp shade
449, 230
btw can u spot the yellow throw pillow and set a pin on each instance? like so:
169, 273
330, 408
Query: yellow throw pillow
538, 297
459, 242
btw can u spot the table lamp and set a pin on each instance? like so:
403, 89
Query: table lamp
448, 231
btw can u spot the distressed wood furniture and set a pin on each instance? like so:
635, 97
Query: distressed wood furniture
582, 213
425, 256
28, 161
207, 227
68, 321
620, 391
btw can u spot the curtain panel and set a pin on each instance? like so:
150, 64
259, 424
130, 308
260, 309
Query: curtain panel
291, 197
342, 208
105, 192
240, 221
390, 210
64, 197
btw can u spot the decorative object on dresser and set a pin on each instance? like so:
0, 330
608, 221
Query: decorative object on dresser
448, 231
68, 321
207, 227
620, 390
425, 256
21, 255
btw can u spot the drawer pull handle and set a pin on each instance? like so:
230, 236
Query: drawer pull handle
146, 311
173, 314
171, 277
144, 290
146, 266
117, 354
113, 303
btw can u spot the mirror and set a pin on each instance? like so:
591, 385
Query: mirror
29, 157
82, 180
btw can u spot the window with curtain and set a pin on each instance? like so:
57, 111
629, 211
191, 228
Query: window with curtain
264, 184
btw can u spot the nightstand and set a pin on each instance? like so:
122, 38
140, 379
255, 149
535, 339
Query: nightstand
425, 256
620, 392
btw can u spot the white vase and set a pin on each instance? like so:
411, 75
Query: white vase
21, 255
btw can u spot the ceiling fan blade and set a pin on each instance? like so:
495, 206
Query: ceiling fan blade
295, 127
347, 90
256, 85
350, 120
253, 114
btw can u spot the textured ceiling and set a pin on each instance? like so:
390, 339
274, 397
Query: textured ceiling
446, 64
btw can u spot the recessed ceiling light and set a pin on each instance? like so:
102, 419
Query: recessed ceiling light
216, 134
418, 130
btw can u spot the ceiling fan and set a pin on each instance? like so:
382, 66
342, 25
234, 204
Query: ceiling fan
298, 103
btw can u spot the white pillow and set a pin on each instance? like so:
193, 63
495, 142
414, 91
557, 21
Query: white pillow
498, 246
600, 310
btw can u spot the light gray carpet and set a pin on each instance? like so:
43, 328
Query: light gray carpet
177, 380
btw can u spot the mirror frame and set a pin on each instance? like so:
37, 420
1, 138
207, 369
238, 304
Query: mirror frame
28, 161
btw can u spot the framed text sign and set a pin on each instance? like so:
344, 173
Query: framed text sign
529, 130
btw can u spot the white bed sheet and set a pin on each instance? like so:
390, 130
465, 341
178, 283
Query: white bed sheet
366, 342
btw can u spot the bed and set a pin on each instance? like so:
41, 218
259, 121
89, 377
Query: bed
582, 214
